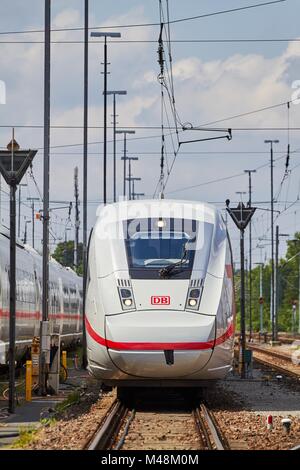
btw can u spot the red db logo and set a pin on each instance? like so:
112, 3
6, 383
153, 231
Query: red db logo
160, 300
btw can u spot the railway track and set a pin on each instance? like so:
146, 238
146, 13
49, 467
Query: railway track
282, 338
278, 361
190, 427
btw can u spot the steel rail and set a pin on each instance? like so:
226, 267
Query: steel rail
202, 431
271, 353
271, 365
109, 428
219, 439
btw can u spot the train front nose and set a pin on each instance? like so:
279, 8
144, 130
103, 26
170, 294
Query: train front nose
160, 343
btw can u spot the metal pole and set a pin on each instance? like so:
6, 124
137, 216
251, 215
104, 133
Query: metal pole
276, 283
250, 254
12, 300
299, 300
115, 149
47, 76
272, 243
129, 178
243, 323
0, 200
105, 123
261, 295
77, 221
32, 216
19, 213
125, 157
85, 165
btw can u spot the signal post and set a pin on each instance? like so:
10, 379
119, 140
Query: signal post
241, 216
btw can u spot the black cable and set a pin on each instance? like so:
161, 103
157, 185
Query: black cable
180, 20
177, 41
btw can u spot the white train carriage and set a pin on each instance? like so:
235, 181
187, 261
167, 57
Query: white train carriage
65, 299
160, 300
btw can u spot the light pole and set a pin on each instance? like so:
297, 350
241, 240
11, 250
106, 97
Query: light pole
114, 93
13, 165
249, 172
32, 200
271, 142
21, 185
85, 170
44, 326
105, 35
124, 132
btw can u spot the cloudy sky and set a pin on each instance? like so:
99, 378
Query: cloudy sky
214, 81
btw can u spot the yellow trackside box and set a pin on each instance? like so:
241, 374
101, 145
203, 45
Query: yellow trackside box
35, 359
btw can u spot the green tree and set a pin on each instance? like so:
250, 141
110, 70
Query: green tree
64, 254
288, 290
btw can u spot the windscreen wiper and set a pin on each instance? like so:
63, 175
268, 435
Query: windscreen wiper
167, 270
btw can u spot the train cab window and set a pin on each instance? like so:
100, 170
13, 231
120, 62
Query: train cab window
163, 248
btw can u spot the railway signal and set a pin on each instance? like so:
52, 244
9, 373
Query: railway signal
241, 216
13, 165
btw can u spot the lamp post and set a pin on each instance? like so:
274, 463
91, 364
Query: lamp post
124, 132
44, 324
85, 171
271, 142
21, 185
13, 165
114, 93
105, 35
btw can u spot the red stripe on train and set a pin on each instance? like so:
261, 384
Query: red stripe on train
140, 346
36, 315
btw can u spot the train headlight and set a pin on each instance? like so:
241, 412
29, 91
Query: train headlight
126, 298
161, 223
193, 298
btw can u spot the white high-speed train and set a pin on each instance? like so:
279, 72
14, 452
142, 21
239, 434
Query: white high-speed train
65, 299
160, 306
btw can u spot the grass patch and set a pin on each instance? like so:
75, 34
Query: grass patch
72, 399
26, 437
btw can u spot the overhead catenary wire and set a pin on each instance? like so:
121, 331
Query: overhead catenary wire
175, 41
139, 25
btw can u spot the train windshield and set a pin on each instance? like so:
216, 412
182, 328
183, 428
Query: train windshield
153, 245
